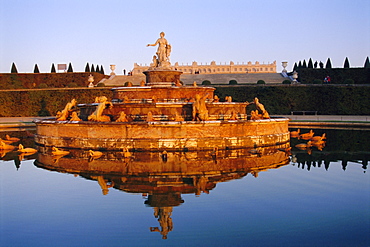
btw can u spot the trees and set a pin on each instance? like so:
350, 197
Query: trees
328, 64
13, 69
87, 67
70, 69
310, 64
304, 65
101, 69
295, 66
36, 69
53, 68
367, 63
92, 68
346, 63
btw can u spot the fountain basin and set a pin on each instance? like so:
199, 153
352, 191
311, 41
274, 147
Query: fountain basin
163, 135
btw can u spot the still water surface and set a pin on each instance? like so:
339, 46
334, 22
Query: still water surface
238, 198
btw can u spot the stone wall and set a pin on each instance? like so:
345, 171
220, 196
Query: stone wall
214, 68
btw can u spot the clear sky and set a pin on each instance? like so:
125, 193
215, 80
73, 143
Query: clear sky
117, 31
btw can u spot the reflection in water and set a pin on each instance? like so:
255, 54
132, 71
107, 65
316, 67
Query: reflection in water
318, 159
163, 181
320, 150
162, 178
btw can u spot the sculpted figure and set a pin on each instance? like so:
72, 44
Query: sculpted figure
97, 115
155, 61
122, 117
255, 115
63, 115
233, 116
200, 111
150, 117
178, 83
75, 117
261, 108
126, 99
165, 221
163, 52
178, 118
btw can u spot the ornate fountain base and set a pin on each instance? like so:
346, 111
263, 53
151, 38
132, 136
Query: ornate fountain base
157, 136
163, 78
159, 117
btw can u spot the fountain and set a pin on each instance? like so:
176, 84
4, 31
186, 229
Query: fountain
162, 114
163, 181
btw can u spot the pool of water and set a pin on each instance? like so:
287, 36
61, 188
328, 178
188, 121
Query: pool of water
238, 198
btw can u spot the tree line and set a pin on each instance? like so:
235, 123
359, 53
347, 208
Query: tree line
328, 65
88, 68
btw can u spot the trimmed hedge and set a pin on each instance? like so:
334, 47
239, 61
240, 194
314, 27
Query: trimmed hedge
44, 102
327, 100
337, 75
52, 80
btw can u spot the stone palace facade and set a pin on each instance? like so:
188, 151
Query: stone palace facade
214, 68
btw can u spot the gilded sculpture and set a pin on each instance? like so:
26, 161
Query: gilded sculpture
74, 117
260, 107
122, 117
64, 114
200, 111
97, 115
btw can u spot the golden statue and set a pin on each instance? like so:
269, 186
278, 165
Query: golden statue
255, 115
97, 115
178, 118
63, 115
75, 117
122, 117
216, 99
150, 117
261, 109
234, 116
228, 99
200, 111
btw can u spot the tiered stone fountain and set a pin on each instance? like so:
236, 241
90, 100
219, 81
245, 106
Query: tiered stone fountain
162, 114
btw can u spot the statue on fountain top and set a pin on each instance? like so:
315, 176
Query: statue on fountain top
162, 60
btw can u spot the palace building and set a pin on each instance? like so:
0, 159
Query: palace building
214, 68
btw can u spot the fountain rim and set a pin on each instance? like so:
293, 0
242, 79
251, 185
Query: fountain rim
165, 123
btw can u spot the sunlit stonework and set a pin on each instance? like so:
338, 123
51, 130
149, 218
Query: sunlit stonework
162, 114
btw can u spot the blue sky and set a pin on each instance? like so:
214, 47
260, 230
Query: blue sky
117, 31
